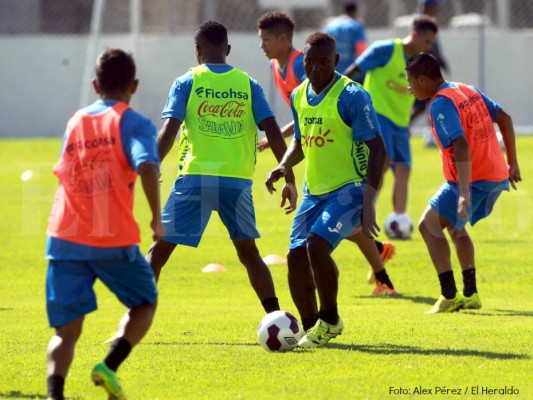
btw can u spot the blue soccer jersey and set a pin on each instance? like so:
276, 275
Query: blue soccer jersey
377, 55
352, 100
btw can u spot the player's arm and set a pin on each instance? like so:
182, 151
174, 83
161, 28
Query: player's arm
352, 71
376, 163
505, 123
279, 148
461, 150
149, 174
292, 157
167, 136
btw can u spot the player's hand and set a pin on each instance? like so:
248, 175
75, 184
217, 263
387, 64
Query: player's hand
369, 224
289, 193
158, 231
462, 205
263, 144
273, 176
514, 175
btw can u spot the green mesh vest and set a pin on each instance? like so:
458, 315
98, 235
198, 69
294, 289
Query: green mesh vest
389, 88
219, 135
333, 159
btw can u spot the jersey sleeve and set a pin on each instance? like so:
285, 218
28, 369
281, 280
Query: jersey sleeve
377, 55
178, 96
139, 139
260, 107
446, 120
298, 68
356, 110
297, 133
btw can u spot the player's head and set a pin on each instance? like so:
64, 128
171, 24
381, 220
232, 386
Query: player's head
350, 8
275, 31
211, 40
320, 59
424, 75
429, 7
423, 33
115, 75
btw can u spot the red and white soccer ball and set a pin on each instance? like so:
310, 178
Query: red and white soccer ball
279, 331
398, 226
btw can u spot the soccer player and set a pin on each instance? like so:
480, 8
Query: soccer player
92, 232
337, 132
384, 65
275, 32
218, 107
349, 33
462, 120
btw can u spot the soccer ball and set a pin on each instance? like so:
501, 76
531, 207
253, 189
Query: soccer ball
398, 226
279, 331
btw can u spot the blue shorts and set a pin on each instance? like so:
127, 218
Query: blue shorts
70, 292
483, 197
332, 216
396, 141
189, 208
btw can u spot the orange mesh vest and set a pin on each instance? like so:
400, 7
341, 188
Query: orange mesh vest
287, 85
486, 155
94, 202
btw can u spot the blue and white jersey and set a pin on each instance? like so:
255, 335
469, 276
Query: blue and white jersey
347, 32
377, 55
355, 109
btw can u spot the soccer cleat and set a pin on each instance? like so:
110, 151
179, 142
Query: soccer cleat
382, 289
321, 333
101, 375
443, 305
389, 250
472, 302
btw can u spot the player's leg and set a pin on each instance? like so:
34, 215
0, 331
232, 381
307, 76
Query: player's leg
236, 210
258, 273
302, 286
133, 282
377, 260
69, 296
464, 247
401, 167
400, 188
185, 217
441, 213
59, 356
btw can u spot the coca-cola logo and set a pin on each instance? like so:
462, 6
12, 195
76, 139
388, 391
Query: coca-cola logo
230, 109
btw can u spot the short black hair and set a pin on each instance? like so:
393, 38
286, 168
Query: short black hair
424, 23
320, 38
115, 70
276, 21
212, 32
350, 7
424, 64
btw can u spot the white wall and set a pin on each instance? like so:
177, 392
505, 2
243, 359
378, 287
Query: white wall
40, 76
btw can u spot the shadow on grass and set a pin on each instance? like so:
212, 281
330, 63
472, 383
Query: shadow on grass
15, 394
386, 348
414, 299
501, 313
6, 309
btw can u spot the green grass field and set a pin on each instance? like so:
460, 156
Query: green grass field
203, 342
